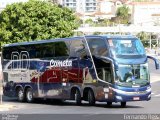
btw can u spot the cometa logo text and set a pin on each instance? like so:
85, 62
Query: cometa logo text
58, 63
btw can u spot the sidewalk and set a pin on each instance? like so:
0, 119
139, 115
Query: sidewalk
6, 107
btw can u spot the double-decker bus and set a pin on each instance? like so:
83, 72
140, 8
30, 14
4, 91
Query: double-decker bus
110, 68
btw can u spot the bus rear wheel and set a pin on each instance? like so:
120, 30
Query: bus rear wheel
20, 95
78, 97
123, 104
91, 98
29, 95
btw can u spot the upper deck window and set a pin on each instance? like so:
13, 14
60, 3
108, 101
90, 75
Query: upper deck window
97, 46
121, 47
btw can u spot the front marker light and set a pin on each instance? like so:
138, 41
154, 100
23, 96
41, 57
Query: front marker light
118, 97
149, 89
149, 96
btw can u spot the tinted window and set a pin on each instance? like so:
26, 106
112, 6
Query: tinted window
61, 49
6, 53
76, 45
97, 46
48, 50
38, 51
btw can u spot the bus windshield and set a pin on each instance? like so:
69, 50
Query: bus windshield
122, 47
130, 75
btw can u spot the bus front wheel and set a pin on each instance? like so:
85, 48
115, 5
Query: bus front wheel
29, 95
91, 98
123, 104
20, 95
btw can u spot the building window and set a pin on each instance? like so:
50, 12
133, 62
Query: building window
74, 4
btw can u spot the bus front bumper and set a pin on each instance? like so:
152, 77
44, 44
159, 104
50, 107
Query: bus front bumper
124, 96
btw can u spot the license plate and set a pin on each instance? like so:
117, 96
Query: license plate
136, 98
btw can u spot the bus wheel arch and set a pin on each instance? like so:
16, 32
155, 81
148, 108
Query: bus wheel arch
76, 95
20, 94
88, 95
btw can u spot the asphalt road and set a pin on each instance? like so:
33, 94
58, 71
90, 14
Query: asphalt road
69, 107
100, 109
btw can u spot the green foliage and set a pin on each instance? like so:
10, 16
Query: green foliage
144, 37
122, 11
35, 20
89, 21
97, 33
99, 22
123, 15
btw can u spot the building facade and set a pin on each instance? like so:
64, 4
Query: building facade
145, 13
91, 8
80, 5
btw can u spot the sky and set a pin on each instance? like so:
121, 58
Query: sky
3, 3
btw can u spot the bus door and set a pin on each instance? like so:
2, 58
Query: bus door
106, 75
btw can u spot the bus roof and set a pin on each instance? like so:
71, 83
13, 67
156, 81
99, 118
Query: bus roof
69, 38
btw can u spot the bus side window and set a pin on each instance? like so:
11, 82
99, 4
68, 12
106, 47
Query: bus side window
61, 50
97, 46
48, 50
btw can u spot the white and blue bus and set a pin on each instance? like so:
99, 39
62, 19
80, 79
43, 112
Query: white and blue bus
110, 68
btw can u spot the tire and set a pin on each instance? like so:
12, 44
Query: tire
29, 95
91, 98
78, 97
20, 95
109, 104
123, 104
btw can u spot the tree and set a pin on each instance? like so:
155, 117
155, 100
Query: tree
123, 14
144, 37
35, 20
89, 21
54, 1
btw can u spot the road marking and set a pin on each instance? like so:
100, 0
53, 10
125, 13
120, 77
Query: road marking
157, 95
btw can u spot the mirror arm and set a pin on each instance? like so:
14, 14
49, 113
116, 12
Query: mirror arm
155, 60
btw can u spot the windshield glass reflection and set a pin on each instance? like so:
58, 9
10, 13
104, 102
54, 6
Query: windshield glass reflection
129, 75
121, 47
